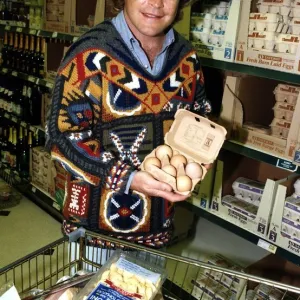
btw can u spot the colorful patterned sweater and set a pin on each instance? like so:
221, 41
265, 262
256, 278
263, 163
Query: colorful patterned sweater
107, 114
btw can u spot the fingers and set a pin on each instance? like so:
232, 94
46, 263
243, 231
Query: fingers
169, 196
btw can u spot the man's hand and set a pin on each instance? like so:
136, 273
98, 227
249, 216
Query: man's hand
143, 182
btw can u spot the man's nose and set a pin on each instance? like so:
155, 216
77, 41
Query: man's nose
156, 3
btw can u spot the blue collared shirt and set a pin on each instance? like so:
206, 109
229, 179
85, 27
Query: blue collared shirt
133, 44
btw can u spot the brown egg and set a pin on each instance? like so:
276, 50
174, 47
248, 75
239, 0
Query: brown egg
175, 152
163, 150
151, 161
170, 170
194, 170
178, 159
184, 183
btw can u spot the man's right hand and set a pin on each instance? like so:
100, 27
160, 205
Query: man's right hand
145, 183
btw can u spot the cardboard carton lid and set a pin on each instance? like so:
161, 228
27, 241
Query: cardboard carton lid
195, 136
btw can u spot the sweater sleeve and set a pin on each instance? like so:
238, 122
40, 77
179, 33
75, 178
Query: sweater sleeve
72, 137
201, 104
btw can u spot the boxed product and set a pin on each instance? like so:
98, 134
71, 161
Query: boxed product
287, 93
253, 218
284, 226
124, 277
214, 28
57, 15
86, 14
248, 190
265, 38
268, 292
191, 142
239, 107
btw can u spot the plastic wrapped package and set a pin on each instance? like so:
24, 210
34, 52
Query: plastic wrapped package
124, 277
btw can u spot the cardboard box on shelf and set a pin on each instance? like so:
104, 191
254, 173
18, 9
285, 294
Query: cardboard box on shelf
286, 240
267, 43
239, 107
231, 166
86, 14
212, 41
57, 15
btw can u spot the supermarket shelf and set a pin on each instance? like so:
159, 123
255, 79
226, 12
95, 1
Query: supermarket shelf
250, 70
40, 33
247, 235
35, 80
33, 128
259, 155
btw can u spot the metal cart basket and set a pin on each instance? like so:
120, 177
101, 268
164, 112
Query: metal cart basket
187, 278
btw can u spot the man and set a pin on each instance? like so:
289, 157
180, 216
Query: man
115, 97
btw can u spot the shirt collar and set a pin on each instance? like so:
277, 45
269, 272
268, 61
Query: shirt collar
121, 25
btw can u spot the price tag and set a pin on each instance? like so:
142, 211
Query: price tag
75, 38
38, 81
23, 124
7, 27
33, 129
7, 116
38, 33
287, 165
33, 189
54, 35
4, 70
14, 73
31, 79
32, 31
49, 85
14, 119
267, 246
19, 29
56, 206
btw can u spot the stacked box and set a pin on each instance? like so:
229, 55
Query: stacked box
217, 284
42, 170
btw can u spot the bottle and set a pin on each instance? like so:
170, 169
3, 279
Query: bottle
36, 59
15, 52
35, 101
42, 59
25, 105
25, 55
30, 64
9, 147
23, 156
17, 105
4, 146
5, 50
19, 57
29, 143
10, 51
13, 150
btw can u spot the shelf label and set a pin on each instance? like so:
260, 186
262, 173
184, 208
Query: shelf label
4, 70
32, 31
19, 29
7, 116
31, 79
75, 38
33, 189
54, 34
14, 119
49, 85
23, 124
267, 246
56, 206
33, 129
7, 27
38, 33
14, 73
287, 165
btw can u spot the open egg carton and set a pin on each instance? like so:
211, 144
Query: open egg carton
275, 27
191, 143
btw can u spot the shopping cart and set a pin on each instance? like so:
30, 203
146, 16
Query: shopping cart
187, 278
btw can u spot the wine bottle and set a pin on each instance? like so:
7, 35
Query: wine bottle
31, 65
23, 156
5, 50
4, 148
8, 158
19, 57
25, 55
15, 52
10, 51
13, 150
36, 58
42, 59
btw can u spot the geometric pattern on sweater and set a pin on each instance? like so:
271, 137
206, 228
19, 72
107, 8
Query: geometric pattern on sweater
125, 213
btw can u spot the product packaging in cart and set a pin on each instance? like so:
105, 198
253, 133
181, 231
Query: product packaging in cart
192, 142
124, 277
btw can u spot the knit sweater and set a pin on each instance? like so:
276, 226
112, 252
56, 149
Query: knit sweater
107, 114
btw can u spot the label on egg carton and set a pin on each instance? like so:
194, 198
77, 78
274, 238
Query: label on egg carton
290, 232
293, 204
290, 222
251, 187
240, 206
269, 292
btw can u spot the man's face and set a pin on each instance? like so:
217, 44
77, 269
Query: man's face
150, 18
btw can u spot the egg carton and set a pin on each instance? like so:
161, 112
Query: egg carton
195, 137
280, 128
209, 21
291, 215
284, 111
268, 292
207, 288
264, 22
290, 232
293, 204
240, 206
219, 8
208, 37
261, 40
287, 93
248, 190
256, 127
287, 43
